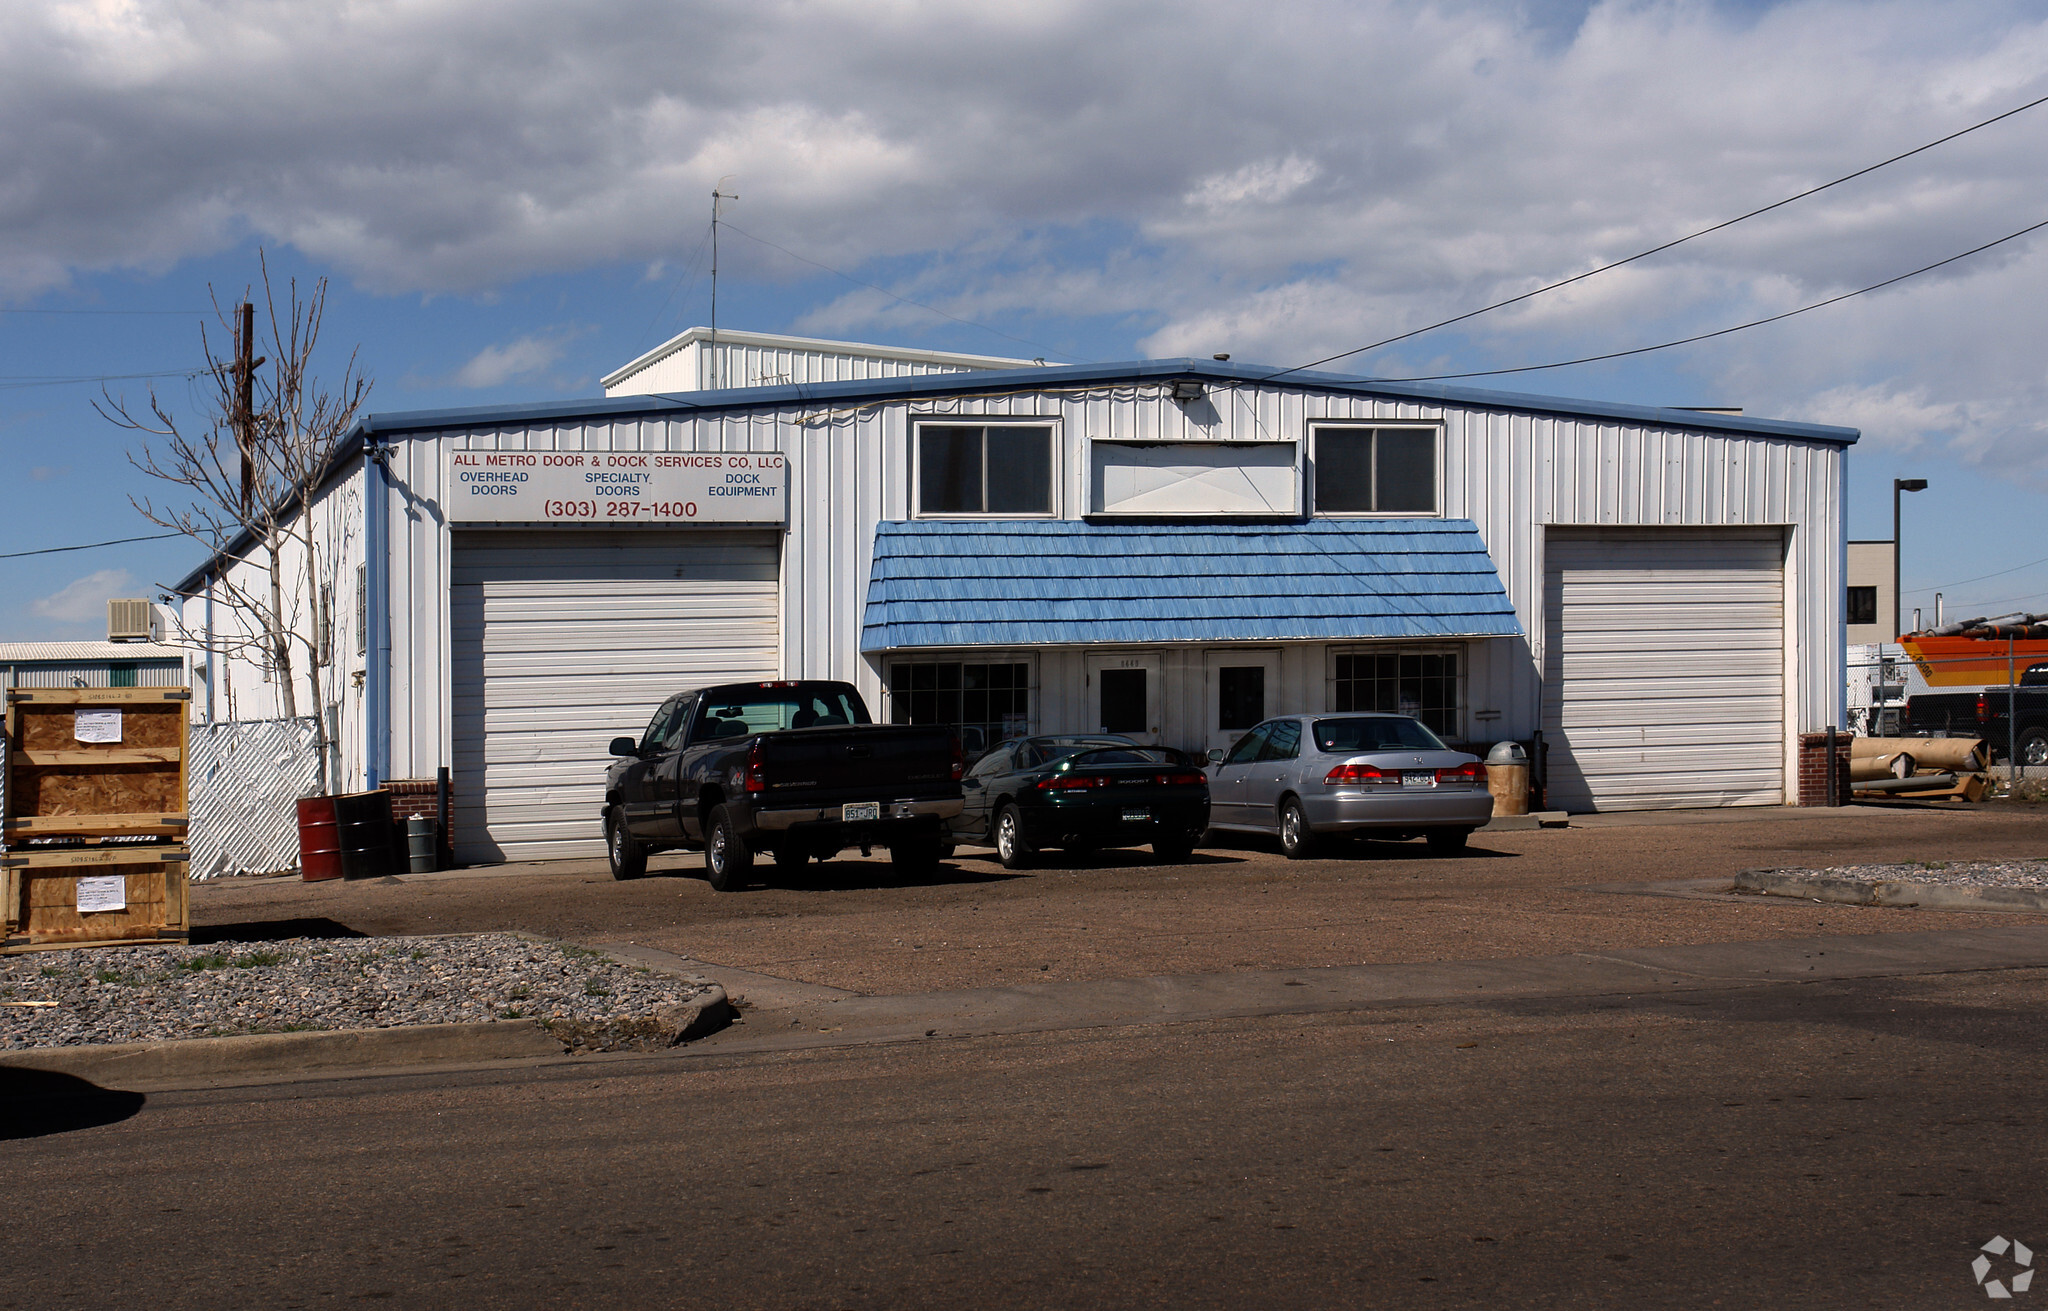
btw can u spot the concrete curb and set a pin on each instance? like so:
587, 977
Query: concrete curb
1894, 892
179, 1060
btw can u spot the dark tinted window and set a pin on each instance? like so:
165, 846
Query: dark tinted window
1240, 696
1388, 733
995, 762
772, 709
949, 470
657, 727
1421, 684
1126, 756
1862, 608
1375, 470
999, 469
1248, 747
1283, 742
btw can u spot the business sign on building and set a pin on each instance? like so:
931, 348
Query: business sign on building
616, 487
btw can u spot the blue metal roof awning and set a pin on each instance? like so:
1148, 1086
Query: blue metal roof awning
1062, 582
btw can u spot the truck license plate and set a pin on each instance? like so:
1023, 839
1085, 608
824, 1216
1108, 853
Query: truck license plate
853, 812
1418, 778
1136, 816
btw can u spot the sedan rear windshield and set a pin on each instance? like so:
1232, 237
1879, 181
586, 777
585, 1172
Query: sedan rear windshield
1379, 733
772, 709
1126, 756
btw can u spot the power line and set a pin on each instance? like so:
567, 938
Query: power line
1725, 223
1722, 332
88, 546
1935, 587
901, 300
24, 381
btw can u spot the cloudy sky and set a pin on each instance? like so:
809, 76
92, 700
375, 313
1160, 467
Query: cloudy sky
511, 198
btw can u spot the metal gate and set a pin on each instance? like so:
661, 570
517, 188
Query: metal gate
243, 785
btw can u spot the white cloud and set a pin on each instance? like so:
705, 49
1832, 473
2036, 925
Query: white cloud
495, 365
85, 600
1277, 183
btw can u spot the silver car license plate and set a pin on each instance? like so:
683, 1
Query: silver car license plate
1418, 778
853, 812
1136, 816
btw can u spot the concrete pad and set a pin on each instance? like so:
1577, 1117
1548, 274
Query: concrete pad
1890, 892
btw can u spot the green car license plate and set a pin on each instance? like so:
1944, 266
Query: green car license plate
853, 812
1136, 816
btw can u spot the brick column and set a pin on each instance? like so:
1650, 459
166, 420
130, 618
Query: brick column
1813, 768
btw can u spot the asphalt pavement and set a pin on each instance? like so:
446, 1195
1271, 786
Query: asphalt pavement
1568, 1071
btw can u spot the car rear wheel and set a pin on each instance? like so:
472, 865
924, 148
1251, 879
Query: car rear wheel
727, 860
1447, 841
1012, 848
2033, 747
1297, 839
622, 850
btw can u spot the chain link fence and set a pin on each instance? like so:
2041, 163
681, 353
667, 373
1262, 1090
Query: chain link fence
245, 779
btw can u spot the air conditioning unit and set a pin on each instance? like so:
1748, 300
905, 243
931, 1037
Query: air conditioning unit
133, 621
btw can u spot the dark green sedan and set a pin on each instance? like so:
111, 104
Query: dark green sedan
1081, 793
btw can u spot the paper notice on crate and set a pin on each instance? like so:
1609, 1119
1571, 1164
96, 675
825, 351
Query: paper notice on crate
106, 892
96, 725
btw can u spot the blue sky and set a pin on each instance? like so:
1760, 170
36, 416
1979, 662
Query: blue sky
511, 200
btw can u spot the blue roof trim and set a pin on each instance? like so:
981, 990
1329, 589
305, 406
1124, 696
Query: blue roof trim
1062, 582
1071, 375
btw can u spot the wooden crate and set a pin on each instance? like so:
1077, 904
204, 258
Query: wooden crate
39, 897
58, 786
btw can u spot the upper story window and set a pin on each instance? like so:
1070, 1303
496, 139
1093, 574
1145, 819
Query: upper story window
989, 469
1862, 608
1376, 470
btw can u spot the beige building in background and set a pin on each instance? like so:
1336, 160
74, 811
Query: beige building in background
1867, 610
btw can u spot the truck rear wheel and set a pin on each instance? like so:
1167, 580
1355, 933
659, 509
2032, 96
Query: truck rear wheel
2033, 747
727, 860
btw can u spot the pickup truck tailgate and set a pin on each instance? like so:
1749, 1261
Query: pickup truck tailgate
870, 762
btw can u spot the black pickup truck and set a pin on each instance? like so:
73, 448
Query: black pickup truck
1983, 714
793, 767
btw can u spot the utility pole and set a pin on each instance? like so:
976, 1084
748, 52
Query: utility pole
245, 402
716, 196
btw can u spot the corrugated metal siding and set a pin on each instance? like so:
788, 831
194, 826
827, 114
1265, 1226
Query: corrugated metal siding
1509, 473
91, 673
565, 639
1665, 670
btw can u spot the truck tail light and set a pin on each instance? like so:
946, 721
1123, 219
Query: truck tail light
959, 761
1469, 772
1983, 707
751, 779
1359, 774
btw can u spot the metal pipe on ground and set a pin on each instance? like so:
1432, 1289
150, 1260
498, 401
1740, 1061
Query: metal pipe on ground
1918, 783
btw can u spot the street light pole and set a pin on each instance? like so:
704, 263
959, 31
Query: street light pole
1899, 485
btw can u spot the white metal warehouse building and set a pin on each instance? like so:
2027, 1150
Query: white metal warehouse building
1170, 548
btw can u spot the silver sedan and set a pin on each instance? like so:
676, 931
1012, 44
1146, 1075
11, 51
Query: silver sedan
1302, 776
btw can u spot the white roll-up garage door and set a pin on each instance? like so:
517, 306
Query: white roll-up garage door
1664, 668
563, 640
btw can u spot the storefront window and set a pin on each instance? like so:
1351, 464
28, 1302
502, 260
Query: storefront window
987, 703
1424, 685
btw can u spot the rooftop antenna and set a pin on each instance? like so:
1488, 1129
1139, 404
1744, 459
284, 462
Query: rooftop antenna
717, 194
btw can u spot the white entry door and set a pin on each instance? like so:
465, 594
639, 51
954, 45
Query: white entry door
1124, 695
1242, 690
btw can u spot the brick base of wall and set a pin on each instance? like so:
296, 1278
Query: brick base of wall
412, 798
1813, 768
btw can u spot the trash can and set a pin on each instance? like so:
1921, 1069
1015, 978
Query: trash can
1507, 778
422, 844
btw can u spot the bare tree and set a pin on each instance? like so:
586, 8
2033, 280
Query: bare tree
250, 467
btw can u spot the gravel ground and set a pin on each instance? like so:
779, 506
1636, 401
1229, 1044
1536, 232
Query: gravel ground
143, 994
2024, 873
